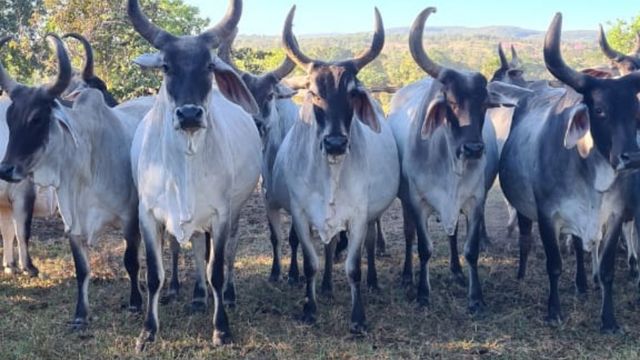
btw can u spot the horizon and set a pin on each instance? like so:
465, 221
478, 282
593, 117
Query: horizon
310, 15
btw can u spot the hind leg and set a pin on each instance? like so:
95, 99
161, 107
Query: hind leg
229, 293
525, 225
22, 216
8, 235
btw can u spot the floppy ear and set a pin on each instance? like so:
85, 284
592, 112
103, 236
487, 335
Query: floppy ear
503, 94
233, 88
284, 92
436, 116
364, 108
578, 132
514, 73
61, 116
149, 61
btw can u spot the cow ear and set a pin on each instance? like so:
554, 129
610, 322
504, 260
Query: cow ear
233, 88
149, 61
578, 133
436, 116
63, 119
364, 109
514, 73
503, 94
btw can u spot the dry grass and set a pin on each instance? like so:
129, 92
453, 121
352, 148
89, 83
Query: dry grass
33, 312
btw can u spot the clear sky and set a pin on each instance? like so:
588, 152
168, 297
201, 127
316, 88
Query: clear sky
266, 17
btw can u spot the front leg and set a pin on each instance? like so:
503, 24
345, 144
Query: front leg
23, 216
83, 271
607, 272
454, 261
220, 236
471, 254
327, 277
200, 293
173, 292
357, 234
155, 277
409, 228
581, 274
132, 263
230, 279
8, 235
303, 232
425, 249
554, 267
371, 241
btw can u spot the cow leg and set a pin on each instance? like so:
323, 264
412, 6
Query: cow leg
485, 241
513, 218
83, 271
607, 272
454, 261
554, 267
294, 270
151, 236
595, 266
381, 242
23, 215
173, 291
7, 229
229, 294
525, 226
132, 263
303, 230
276, 266
629, 237
354, 275
472, 254
220, 236
371, 242
409, 227
581, 275
200, 292
341, 246
326, 288
425, 249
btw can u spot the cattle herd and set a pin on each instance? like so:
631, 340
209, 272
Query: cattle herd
181, 164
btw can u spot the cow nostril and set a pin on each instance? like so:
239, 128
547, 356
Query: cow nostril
473, 150
7, 171
335, 144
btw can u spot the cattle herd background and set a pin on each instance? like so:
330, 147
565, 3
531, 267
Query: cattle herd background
218, 150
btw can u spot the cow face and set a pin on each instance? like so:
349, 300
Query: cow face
625, 64
30, 116
509, 72
266, 90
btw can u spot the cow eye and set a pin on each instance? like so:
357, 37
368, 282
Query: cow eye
599, 111
165, 68
211, 67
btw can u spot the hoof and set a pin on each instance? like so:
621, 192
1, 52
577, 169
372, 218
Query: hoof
458, 278
382, 254
476, 307
634, 274
307, 319
582, 293
145, 338
10, 270
611, 329
169, 298
78, 324
198, 307
294, 280
358, 328
406, 281
326, 292
374, 288
423, 301
553, 320
274, 278
221, 338
134, 309
31, 271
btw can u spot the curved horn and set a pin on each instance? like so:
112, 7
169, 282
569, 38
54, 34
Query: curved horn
636, 52
376, 45
504, 63
290, 43
224, 51
87, 72
515, 59
64, 68
152, 33
7, 83
606, 49
284, 69
226, 27
415, 45
553, 58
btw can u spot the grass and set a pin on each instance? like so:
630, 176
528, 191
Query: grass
33, 312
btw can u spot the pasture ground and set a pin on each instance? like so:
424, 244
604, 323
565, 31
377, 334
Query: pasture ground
34, 312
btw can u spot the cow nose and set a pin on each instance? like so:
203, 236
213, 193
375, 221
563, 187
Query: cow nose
627, 161
336, 145
473, 150
190, 117
7, 172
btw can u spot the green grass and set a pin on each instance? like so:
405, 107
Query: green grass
34, 312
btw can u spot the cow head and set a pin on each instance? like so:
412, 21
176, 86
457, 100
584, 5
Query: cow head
509, 72
189, 67
625, 64
265, 88
335, 94
30, 117
607, 122
88, 78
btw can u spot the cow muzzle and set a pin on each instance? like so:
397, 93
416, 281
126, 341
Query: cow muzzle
335, 144
471, 150
190, 118
627, 161
10, 173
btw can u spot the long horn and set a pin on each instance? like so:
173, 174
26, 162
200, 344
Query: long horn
285, 68
290, 43
504, 63
87, 72
515, 59
553, 58
226, 27
64, 68
415, 45
152, 33
7, 83
224, 52
636, 51
376, 45
606, 49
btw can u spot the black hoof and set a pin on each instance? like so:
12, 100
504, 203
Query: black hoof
374, 288
326, 291
221, 338
611, 329
31, 271
294, 280
169, 298
274, 278
406, 281
458, 278
78, 324
476, 307
358, 328
307, 319
145, 338
134, 309
382, 254
423, 301
634, 274
198, 307
554, 320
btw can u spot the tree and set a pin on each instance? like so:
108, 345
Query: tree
622, 35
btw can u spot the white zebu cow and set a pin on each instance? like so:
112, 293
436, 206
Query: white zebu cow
196, 156
337, 168
83, 152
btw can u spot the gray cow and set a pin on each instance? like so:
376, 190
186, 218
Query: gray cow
566, 165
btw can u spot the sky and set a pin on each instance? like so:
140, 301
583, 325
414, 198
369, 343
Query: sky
266, 17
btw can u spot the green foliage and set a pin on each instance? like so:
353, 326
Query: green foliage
622, 35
